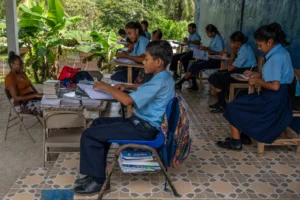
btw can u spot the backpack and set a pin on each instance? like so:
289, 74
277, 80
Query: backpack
83, 76
176, 131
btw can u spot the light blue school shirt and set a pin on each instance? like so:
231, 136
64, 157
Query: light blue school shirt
152, 98
140, 46
148, 35
278, 66
216, 44
193, 37
245, 57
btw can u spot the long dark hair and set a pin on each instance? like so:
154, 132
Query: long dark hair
238, 36
12, 56
272, 31
212, 29
136, 25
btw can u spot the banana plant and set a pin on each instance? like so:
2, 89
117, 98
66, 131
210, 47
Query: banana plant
41, 29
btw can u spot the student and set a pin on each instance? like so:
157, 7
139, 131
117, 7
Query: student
145, 25
122, 33
242, 59
137, 36
26, 97
142, 76
264, 115
216, 46
150, 100
193, 42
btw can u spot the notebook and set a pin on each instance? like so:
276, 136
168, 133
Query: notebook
200, 54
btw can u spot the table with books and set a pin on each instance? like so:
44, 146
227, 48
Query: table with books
65, 99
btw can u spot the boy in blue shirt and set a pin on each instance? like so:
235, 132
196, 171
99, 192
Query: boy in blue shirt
150, 100
145, 25
193, 42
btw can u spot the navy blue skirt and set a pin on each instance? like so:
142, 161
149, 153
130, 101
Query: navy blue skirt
262, 117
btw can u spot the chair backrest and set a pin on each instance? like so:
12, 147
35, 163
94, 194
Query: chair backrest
260, 62
8, 96
64, 119
96, 74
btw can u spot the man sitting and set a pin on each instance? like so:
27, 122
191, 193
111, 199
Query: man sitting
150, 100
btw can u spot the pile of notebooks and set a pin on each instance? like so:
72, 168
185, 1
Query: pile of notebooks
50, 103
90, 103
136, 160
70, 103
50, 89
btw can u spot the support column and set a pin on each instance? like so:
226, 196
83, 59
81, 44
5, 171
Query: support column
12, 26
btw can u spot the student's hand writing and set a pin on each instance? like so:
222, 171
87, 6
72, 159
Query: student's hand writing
120, 87
253, 81
121, 55
100, 85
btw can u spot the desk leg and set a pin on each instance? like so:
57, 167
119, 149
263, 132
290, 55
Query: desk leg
223, 64
129, 80
251, 89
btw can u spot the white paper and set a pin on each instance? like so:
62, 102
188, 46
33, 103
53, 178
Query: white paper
98, 94
243, 76
45, 101
124, 60
200, 54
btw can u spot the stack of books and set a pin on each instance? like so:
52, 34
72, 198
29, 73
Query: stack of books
90, 103
70, 103
50, 89
50, 103
136, 160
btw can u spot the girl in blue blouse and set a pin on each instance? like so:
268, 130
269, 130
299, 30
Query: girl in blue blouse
216, 46
242, 58
263, 116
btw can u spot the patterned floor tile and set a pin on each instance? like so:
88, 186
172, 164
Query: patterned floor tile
220, 187
32, 179
212, 169
140, 188
23, 194
69, 163
61, 179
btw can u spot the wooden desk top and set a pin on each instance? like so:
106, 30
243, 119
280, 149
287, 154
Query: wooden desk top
137, 65
217, 57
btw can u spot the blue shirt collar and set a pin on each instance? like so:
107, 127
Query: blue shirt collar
274, 49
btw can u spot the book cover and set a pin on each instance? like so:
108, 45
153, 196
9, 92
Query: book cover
135, 153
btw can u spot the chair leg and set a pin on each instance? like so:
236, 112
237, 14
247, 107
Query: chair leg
175, 193
9, 114
27, 131
39, 120
231, 92
200, 78
21, 119
260, 149
108, 176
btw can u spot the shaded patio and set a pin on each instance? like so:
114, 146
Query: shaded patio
209, 172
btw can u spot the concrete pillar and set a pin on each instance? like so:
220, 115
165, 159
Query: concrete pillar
12, 26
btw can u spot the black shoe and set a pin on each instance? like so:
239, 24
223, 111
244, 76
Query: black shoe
90, 188
178, 86
218, 109
214, 105
229, 145
193, 87
245, 139
83, 180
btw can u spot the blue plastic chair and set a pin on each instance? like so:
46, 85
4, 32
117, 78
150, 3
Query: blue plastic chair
150, 145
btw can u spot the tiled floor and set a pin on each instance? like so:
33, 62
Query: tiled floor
208, 173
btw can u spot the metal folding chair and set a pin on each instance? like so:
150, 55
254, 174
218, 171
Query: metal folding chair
18, 116
150, 145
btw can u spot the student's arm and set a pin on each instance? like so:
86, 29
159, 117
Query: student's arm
232, 58
123, 87
208, 50
15, 94
273, 85
138, 59
253, 74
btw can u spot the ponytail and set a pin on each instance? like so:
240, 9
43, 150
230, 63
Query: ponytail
272, 31
212, 29
136, 25
12, 56
238, 36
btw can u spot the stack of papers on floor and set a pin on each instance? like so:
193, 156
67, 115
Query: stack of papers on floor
70, 103
50, 89
50, 103
90, 103
136, 160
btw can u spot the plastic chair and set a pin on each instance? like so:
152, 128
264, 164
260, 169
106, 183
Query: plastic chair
150, 145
